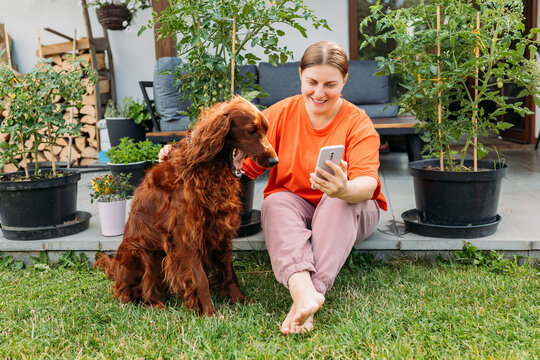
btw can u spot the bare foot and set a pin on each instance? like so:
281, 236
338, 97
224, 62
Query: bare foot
307, 307
287, 325
306, 302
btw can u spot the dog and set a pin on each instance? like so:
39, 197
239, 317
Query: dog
185, 213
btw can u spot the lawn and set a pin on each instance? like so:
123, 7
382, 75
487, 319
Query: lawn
397, 309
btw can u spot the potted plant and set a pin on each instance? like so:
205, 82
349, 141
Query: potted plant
36, 202
127, 119
215, 39
111, 193
117, 14
132, 158
454, 56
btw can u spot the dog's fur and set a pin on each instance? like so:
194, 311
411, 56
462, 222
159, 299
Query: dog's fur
187, 210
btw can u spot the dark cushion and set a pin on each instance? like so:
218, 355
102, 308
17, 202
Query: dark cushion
363, 87
166, 97
279, 82
380, 110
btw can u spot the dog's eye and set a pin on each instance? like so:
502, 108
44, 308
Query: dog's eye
252, 132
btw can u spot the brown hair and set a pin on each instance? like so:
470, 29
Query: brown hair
325, 53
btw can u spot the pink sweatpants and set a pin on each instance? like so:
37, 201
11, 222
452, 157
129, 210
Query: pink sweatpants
300, 236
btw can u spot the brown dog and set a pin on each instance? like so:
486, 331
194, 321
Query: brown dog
187, 210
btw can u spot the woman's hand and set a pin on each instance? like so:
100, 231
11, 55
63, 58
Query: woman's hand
335, 185
164, 151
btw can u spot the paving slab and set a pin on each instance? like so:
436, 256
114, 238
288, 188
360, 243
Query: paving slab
519, 206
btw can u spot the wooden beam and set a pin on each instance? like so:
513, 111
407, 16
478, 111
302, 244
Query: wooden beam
353, 29
165, 47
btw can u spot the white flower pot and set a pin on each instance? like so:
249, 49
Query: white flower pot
112, 216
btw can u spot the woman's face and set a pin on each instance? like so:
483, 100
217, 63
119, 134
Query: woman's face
321, 88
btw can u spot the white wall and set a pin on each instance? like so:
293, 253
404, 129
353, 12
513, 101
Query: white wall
133, 55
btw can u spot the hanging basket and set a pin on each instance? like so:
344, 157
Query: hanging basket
113, 16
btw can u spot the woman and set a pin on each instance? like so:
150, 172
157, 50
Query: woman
311, 224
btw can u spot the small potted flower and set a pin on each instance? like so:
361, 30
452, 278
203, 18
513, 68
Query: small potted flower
111, 193
118, 14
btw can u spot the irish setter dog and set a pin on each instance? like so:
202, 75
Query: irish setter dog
178, 237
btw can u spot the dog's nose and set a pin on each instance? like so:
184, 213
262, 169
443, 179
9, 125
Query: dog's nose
273, 162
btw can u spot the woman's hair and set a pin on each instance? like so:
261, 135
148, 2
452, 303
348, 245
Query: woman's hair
325, 53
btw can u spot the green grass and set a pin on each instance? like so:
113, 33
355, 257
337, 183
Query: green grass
401, 309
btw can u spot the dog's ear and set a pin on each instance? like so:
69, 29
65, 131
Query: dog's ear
208, 137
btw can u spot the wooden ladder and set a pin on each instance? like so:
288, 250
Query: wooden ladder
98, 45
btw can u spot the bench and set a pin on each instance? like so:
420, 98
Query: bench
367, 91
385, 126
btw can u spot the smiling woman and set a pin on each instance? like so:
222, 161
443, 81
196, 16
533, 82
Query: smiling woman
310, 223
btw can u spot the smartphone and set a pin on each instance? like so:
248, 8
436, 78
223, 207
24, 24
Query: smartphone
333, 153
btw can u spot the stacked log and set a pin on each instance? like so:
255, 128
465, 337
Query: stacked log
85, 147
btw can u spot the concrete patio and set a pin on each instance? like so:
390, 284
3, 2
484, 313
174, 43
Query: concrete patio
518, 232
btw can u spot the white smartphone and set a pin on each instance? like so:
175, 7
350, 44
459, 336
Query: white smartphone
333, 153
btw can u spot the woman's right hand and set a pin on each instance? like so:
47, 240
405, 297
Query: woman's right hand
164, 151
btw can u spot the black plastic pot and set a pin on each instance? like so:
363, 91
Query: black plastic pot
122, 127
137, 171
251, 218
39, 202
461, 199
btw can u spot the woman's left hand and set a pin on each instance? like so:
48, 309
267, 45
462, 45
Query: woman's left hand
335, 185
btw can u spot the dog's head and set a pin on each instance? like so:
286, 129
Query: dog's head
236, 128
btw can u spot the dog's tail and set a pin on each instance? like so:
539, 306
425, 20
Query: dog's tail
105, 263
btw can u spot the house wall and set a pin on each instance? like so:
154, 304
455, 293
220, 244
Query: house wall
133, 55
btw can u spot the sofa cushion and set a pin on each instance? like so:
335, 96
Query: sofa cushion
279, 82
380, 110
166, 97
363, 87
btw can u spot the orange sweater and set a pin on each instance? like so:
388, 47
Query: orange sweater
297, 145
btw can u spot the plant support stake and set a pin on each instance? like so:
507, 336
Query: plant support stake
70, 139
233, 54
475, 121
439, 81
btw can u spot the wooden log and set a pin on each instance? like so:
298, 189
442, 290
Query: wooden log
87, 161
89, 99
9, 168
57, 149
88, 110
90, 130
80, 142
90, 152
56, 59
88, 119
49, 156
67, 65
100, 60
75, 154
41, 157
62, 142
57, 68
63, 47
93, 142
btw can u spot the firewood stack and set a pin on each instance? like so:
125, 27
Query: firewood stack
85, 148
